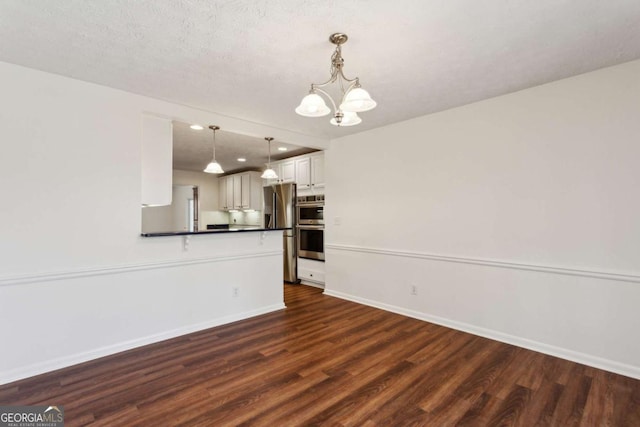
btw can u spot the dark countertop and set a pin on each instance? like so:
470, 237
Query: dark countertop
215, 231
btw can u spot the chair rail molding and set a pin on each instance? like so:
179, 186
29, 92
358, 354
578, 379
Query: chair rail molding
490, 263
126, 268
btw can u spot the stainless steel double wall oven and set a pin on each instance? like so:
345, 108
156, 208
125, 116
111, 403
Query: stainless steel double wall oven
311, 227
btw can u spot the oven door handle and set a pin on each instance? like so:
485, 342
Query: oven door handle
310, 227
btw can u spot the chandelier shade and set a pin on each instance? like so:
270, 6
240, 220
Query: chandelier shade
357, 101
348, 119
313, 105
353, 100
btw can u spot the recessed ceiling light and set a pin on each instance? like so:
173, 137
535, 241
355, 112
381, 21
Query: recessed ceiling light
196, 127
282, 148
242, 159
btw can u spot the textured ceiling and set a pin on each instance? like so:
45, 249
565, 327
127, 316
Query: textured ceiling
255, 59
193, 149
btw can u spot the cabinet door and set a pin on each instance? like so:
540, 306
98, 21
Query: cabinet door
222, 194
229, 185
245, 183
317, 171
303, 173
256, 191
287, 171
237, 191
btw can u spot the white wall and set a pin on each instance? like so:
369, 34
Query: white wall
156, 219
208, 191
76, 279
514, 218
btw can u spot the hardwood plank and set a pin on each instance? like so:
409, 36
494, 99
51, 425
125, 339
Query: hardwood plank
326, 361
543, 403
573, 398
509, 412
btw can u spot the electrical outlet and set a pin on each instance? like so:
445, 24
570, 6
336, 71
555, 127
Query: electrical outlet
236, 292
414, 290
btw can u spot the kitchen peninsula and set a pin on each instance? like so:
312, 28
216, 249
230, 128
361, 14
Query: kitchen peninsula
214, 231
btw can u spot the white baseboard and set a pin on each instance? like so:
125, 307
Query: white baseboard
66, 361
563, 353
314, 284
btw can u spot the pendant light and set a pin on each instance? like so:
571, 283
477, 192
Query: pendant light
214, 167
269, 173
354, 98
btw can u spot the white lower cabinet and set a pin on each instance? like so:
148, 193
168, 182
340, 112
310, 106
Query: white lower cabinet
311, 272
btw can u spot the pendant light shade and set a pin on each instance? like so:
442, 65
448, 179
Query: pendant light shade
313, 105
357, 100
213, 166
348, 119
269, 173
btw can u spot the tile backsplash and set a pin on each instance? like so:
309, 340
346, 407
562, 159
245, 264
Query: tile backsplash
231, 218
245, 218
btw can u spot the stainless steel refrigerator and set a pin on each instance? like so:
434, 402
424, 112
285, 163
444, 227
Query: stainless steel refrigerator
280, 212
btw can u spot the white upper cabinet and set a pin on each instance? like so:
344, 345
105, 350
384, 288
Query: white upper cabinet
225, 184
303, 173
222, 194
251, 191
306, 171
310, 172
241, 191
229, 192
245, 191
317, 170
237, 191
287, 171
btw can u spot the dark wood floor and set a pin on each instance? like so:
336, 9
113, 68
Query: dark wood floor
324, 361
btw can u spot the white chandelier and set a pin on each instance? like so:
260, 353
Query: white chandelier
354, 99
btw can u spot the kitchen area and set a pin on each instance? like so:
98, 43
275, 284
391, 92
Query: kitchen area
240, 200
